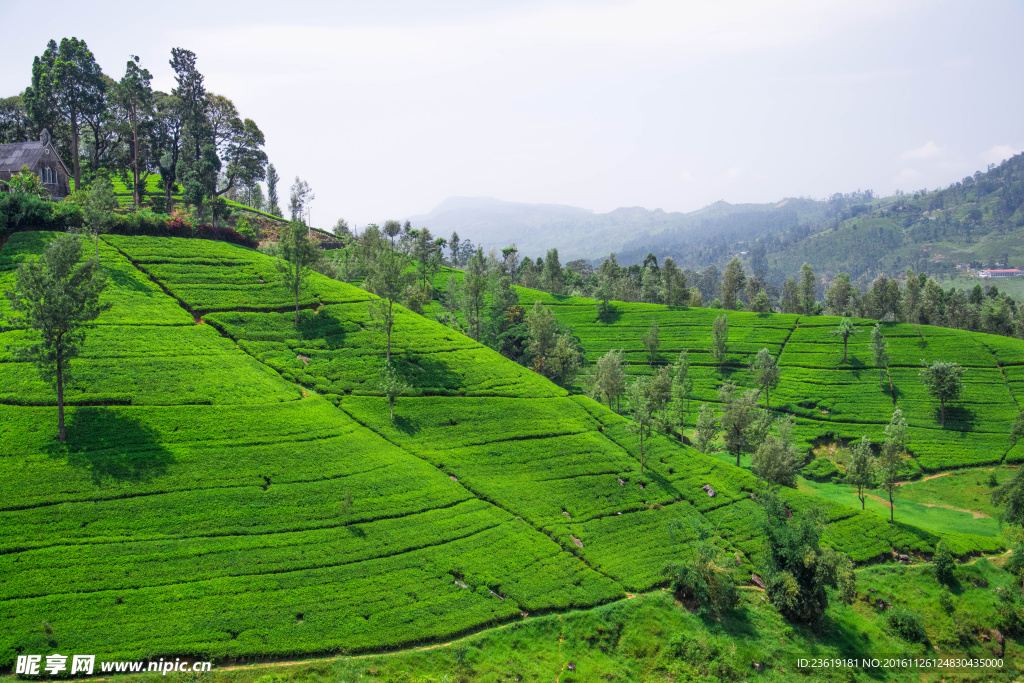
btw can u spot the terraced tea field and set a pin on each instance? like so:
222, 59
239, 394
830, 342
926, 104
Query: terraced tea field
232, 485
829, 399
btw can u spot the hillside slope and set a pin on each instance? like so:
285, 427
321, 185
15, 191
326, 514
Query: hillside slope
220, 496
823, 394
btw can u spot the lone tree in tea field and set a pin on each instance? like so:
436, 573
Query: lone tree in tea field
298, 254
890, 464
682, 388
861, 470
387, 278
845, 330
652, 340
609, 380
391, 385
774, 460
879, 353
720, 339
766, 373
98, 210
706, 428
942, 380
739, 415
56, 297
641, 409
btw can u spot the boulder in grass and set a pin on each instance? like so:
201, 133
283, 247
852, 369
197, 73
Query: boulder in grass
757, 580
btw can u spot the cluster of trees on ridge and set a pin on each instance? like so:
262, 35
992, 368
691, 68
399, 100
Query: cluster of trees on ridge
195, 143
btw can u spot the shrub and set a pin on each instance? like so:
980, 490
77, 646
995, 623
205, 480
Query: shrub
704, 578
906, 623
20, 210
958, 632
947, 601
242, 227
821, 469
67, 214
945, 566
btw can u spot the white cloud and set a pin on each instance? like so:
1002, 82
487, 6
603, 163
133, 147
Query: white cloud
734, 173
907, 174
997, 153
928, 150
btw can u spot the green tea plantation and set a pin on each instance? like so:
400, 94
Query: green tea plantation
233, 487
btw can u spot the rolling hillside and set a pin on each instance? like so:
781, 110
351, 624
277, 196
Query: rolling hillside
825, 396
220, 496
833, 403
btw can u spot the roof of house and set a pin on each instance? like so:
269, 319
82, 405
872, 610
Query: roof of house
1002, 270
14, 155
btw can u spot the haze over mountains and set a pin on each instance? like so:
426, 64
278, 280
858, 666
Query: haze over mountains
581, 233
978, 219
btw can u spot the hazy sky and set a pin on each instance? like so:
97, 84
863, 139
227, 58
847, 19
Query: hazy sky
388, 107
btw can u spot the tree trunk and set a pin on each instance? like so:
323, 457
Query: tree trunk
389, 321
60, 399
296, 295
942, 412
844, 350
892, 509
74, 150
767, 399
863, 498
392, 401
135, 162
96, 239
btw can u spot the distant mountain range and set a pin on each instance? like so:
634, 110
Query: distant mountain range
581, 233
975, 220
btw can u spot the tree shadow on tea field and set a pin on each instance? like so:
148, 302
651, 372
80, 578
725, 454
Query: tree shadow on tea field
112, 447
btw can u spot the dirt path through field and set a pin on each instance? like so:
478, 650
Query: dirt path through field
930, 476
977, 515
881, 500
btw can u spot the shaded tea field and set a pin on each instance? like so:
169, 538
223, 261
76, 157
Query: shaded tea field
220, 496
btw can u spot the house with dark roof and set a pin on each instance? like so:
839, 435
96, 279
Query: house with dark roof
41, 158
